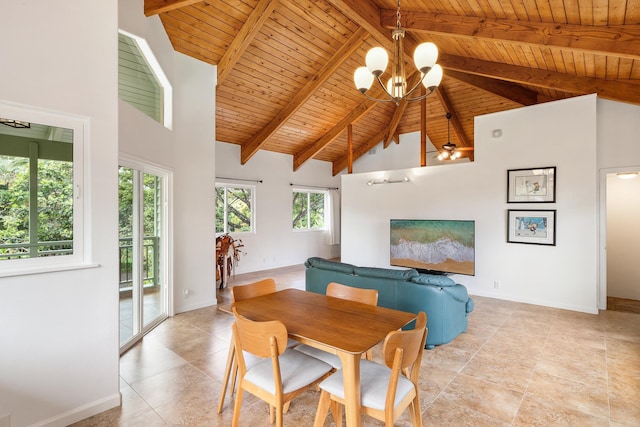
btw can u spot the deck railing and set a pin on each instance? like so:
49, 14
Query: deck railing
150, 257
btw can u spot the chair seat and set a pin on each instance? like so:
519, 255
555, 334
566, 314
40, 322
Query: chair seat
374, 382
296, 369
326, 357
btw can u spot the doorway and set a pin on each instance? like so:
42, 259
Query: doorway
143, 250
620, 270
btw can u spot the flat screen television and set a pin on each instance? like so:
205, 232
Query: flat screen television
434, 246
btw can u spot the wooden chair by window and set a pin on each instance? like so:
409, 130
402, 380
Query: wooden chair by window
281, 375
337, 290
239, 293
386, 391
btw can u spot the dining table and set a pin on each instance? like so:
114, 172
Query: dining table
342, 327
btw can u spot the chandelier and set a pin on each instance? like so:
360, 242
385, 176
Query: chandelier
424, 58
449, 150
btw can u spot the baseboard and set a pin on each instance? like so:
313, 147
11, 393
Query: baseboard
82, 412
195, 306
533, 301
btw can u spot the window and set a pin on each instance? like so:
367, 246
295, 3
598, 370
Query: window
40, 177
309, 210
141, 81
234, 208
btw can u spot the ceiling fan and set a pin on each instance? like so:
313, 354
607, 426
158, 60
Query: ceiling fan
450, 150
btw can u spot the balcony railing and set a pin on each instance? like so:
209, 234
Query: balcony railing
150, 257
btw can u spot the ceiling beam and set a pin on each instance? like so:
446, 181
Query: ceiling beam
155, 7
340, 165
615, 40
507, 90
307, 153
254, 144
617, 90
367, 15
245, 36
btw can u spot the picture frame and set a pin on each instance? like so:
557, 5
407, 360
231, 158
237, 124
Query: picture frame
529, 226
534, 185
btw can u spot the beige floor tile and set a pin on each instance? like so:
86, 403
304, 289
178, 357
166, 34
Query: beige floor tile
493, 400
510, 372
544, 413
444, 412
570, 394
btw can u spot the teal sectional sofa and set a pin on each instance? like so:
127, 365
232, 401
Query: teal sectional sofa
446, 303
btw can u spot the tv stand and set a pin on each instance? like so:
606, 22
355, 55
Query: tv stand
434, 272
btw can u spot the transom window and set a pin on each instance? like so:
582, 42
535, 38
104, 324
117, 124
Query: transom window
234, 208
141, 81
309, 209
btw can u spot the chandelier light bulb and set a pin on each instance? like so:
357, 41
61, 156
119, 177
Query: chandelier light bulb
376, 60
425, 56
363, 79
433, 78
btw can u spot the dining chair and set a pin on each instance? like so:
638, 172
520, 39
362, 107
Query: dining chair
239, 293
385, 390
280, 375
337, 290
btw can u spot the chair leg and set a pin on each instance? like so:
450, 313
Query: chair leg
336, 411
271, 414
279, 416
236, 408
415, 406
227, 372
323, 409
285, 408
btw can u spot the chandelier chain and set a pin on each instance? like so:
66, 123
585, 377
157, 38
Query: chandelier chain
398, 16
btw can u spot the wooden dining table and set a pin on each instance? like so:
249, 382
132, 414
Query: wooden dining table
342, 327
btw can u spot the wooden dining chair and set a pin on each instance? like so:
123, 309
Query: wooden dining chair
280, 375
337, 290
239, 293
385, 390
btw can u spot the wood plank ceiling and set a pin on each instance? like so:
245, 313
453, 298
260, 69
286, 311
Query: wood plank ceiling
285, 67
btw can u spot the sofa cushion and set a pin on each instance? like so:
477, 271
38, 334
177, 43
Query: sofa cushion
433, 279
325, 264
385, 273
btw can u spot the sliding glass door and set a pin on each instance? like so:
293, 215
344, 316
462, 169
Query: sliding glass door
143, 254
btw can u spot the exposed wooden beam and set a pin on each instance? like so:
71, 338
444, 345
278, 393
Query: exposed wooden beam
341, 164
245, 36
367, 15
154, 7
455, 122
616, 40
507, 90
617, 90
350, 148
311, 150
423, 129
253, 145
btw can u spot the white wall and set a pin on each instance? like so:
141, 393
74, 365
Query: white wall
274, 243
187, 151
561, 134
623, 237
400, 156
59, 331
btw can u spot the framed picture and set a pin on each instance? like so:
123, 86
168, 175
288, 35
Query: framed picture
531, 226
531, 185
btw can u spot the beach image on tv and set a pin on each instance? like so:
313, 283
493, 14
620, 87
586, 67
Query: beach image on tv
446, 246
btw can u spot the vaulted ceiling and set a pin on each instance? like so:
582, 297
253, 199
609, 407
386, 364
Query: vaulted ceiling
285, 67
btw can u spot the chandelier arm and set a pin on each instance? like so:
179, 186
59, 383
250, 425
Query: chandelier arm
377, 99
384, 89
413, 89
421, 96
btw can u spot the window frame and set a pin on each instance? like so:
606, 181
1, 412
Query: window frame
80, 126
252, 226
308, 192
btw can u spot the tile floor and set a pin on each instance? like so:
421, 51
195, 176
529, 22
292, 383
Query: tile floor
518, 365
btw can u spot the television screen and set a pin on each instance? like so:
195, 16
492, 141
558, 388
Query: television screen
435, 246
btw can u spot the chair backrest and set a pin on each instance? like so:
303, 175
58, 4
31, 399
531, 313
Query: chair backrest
410, 343
262, 287
256, 337
365, 296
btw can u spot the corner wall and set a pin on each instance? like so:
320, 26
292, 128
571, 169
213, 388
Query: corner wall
274, 243
561, 134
